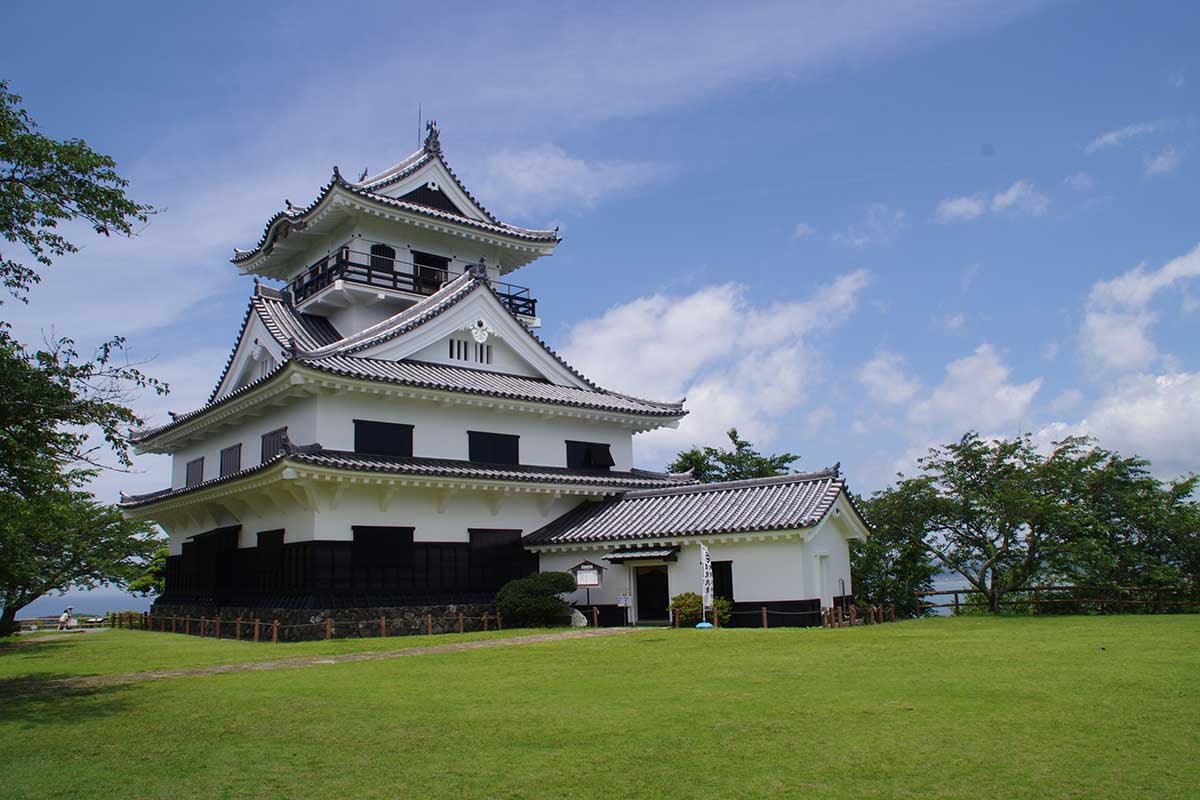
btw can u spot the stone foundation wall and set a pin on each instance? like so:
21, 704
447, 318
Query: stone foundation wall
296, 625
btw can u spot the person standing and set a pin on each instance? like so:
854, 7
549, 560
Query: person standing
63, 619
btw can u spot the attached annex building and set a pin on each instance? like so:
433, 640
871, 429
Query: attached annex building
389, 432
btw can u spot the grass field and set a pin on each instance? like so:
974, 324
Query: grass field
1087, 707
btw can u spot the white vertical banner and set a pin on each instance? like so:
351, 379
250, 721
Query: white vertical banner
706, 579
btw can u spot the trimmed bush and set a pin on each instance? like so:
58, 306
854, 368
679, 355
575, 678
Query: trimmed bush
534, 601
687, 606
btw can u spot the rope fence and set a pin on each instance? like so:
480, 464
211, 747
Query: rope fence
1039, 600
827, 617
272, 630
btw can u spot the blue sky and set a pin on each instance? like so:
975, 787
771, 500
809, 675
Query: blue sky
853, 232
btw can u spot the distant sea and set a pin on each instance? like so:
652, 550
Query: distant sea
91, 603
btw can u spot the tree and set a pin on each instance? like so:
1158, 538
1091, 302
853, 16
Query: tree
893, 564
742, 461
52, 402
153, 579
44, 182
1002, 515
535, 599
63, 538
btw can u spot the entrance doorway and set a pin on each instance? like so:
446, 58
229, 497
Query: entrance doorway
653, 596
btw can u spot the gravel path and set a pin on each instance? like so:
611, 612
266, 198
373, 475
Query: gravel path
15, 689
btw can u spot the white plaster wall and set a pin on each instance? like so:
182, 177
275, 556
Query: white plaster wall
299, 416
296, 520
763, 571
441, 431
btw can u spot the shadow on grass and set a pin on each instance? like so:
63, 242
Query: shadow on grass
51, 699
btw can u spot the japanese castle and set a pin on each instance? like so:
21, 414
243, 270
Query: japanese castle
389, 432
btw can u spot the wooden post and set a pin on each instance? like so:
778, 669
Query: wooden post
595, 617
716, 619
187, 626
764, 617
892, 612
174, 620
853, 615
257, 624
383, 626
217, 626
1037, 607
460, 622
429, 624
275, 631
957, 610
328, 628
203, 620
1158, 600
237, 629
485, 620
499, 622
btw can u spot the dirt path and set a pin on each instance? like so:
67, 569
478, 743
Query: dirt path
98, 681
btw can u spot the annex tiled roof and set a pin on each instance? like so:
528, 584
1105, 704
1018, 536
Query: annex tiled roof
784, 502
432, 467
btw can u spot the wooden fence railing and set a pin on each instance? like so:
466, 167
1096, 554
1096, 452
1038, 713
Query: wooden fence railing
258, 630
1072, 600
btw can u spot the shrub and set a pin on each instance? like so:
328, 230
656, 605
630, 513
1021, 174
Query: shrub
534, 600
687, 607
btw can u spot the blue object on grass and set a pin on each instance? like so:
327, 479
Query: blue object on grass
704, 625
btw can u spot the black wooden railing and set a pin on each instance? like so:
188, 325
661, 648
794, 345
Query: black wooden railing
382, 272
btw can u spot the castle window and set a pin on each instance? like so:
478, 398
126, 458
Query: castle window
383, 258
459, 350
383, 438
589, 455
429, 271
493, 448
194, 472
272, 443
231, 459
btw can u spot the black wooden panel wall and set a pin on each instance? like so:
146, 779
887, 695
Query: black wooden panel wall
381, 566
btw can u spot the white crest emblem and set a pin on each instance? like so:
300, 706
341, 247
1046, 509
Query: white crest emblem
480, 330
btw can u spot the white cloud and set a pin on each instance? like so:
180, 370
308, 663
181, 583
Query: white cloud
1080, 180
1163, 162
536, 180
1154, 416
954, 209
968, 277
1115, 330
1177, 79
739, 364
880, 226
1118, 137
976, 393
950, 322
803, 230
887, 380
1066, 400
1050, 351
1022, 196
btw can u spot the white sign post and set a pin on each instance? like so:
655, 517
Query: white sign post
706, 581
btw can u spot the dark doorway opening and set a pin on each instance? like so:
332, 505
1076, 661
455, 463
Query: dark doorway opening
653, 596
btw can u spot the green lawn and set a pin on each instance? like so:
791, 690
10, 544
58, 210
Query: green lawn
1064, 707
111, 652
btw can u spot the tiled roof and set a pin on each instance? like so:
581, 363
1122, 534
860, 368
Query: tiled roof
433, 467
785, 502
427, 375
296, 217
285, 325
312, 342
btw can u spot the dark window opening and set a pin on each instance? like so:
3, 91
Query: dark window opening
429, 271
383, 258
723, 579
493, 448
194, 472
272, 443
270, 549
383, 438
589, 455
231, 459
378, 546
